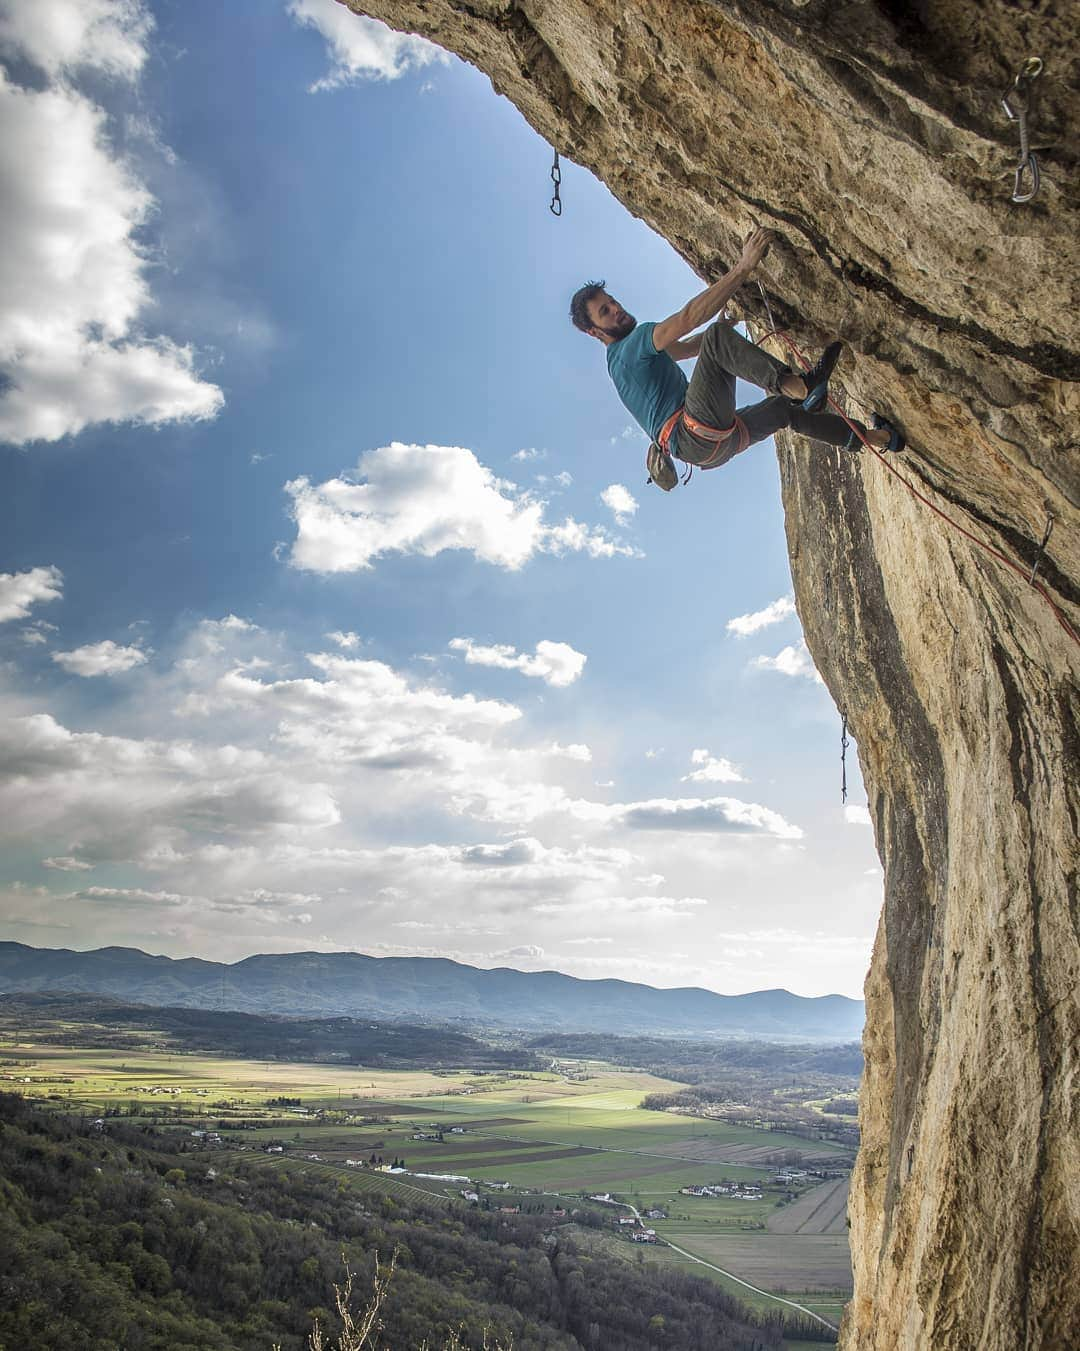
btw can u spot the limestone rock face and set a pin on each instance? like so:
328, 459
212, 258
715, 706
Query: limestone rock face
870, 135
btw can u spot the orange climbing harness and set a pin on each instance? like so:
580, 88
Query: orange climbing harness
955, 525
718, 436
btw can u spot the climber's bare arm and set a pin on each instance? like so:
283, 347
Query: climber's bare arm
687, 348
710, 302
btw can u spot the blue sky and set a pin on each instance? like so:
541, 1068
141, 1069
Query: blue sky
334, 610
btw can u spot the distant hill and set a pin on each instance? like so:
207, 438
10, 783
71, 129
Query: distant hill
427, 990
65, 1019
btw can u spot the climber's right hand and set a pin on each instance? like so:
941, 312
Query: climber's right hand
755, 248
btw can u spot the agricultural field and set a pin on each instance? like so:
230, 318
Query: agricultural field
539, 1139
822, 1210
103, 1078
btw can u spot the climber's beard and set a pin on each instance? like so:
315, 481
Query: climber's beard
622, 329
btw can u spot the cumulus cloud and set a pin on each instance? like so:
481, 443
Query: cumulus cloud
100, 659
274, 807
73, 276
496, 797
365, 712
361, 48
620, 502
423, 500
717, 814
744, 625
122, 797
555, 663
61, 35
712, 769
855, 815
791, 661
21, 590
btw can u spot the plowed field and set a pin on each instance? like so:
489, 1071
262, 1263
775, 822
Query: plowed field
820, 1211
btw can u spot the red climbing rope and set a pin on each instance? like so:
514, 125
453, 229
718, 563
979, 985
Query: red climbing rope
982, 544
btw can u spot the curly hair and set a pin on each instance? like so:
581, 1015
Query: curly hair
579, 304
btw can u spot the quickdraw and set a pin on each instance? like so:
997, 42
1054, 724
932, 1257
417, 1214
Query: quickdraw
555, 206
1018, 101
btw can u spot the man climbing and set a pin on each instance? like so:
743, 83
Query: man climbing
698, 422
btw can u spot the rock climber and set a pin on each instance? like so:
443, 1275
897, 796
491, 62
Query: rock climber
697, 421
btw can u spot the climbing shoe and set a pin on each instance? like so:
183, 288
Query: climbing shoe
817, 378
896, 441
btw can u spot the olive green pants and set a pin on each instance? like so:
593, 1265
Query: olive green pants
710, 398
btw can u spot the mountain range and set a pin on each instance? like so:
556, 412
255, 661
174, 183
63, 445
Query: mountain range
428, 990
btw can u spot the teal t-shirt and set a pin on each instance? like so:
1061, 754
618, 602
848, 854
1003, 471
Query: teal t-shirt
649, 382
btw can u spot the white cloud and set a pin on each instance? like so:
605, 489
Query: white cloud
620, 502
423, 500
555, 663
791, 661
641, 907
73, 275
21, 590
529, 453
365, 712
855, 815
121, 797
361, 48
575, 751
717, 814
711, 769
278, 803
67, 864
100, 659
528, 951
214, 634
347, 641
129, 896
743, 625
61, 35
563, 479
